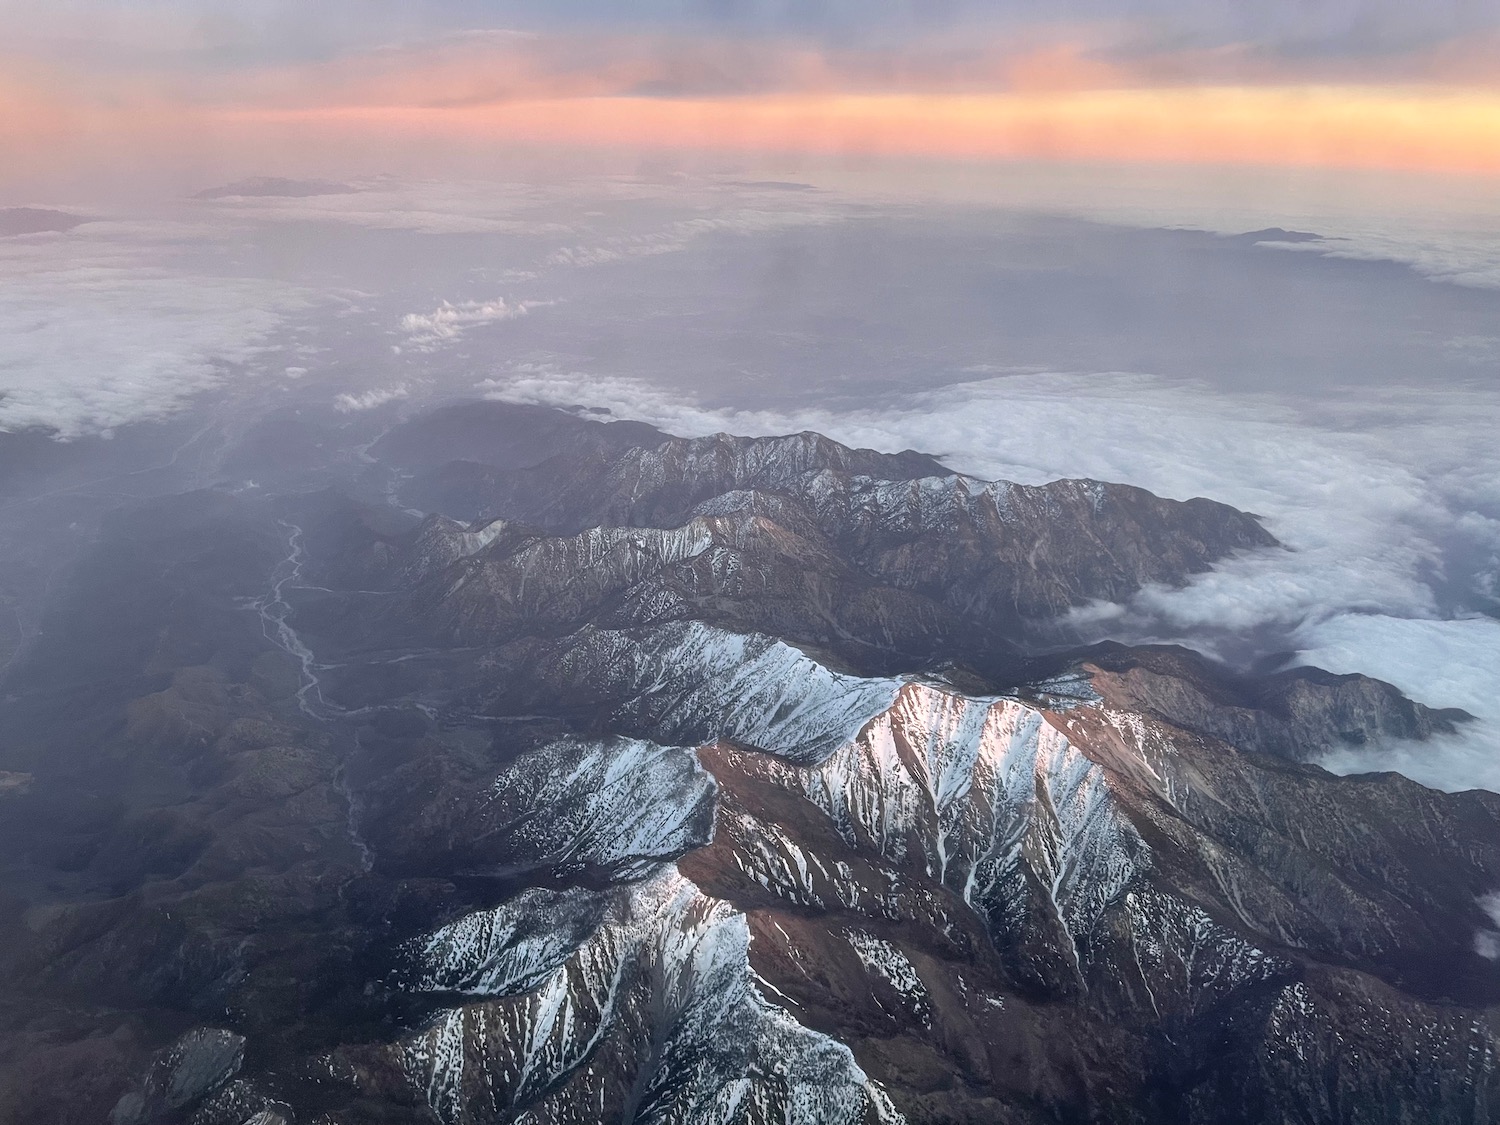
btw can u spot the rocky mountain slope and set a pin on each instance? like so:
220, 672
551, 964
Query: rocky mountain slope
614, 777
993, 552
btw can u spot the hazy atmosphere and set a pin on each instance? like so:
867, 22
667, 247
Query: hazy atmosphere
1243, 252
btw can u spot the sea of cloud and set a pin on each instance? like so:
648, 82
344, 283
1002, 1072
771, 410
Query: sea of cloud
110, 323
123, 320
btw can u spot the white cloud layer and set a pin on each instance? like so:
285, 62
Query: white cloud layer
96, 332
1443, 663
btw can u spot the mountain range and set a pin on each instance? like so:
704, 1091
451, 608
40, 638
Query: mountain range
541, 768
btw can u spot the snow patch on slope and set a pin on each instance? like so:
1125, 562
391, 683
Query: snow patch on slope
886, 961
620, 803
983, 792
511, 948
656, 1016
695, 683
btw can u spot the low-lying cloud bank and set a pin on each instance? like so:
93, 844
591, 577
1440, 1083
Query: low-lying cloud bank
1389, 505
1446, 663
96, 331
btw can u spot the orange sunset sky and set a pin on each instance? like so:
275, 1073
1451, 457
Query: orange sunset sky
89, 90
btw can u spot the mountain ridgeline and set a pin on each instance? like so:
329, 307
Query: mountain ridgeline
553, 770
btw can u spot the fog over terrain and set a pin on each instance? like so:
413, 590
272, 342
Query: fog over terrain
1323, 354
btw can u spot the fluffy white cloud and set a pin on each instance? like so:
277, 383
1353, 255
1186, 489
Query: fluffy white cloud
96, 331
449, 321
369, 400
